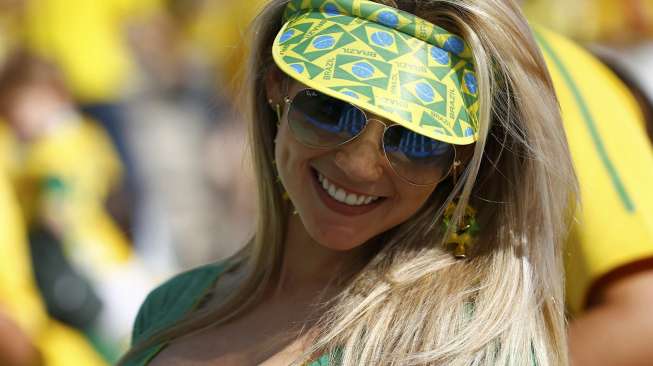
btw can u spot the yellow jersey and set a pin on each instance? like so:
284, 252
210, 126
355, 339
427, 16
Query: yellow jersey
613, 159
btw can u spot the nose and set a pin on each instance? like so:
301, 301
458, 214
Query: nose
362, 159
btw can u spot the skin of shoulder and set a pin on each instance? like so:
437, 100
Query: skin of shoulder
618, 327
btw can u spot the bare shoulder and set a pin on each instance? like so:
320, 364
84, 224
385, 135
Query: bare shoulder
632, 285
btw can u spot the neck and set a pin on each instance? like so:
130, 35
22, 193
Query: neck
309, 267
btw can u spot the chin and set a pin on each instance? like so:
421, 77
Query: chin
339, 246
338, 239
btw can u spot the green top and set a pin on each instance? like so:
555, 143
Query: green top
168, 303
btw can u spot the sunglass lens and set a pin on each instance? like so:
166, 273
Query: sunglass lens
419, 159
319, 120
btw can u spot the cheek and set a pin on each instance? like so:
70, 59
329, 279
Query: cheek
285, 154
292, 162
408, 202
413, 198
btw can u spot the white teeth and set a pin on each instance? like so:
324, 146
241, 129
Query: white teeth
360, 200
351, 199
332, 190
340, 195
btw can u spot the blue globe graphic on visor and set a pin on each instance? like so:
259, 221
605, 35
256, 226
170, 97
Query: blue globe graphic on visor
298, 68
362, 69
425, 92
470, 82
331, 9
454, 45
383, 39
440, 55
323, 42
388, 18
287, 35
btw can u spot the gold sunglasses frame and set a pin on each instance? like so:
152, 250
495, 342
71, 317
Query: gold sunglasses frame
287, 105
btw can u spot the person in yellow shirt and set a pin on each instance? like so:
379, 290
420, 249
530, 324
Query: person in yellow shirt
63, 167
610, 251
58, 153
88, 40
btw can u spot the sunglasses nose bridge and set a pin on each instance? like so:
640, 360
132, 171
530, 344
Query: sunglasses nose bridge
362, 158
373, 132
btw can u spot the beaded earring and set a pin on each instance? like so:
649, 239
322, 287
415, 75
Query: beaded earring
464, 234
277, 108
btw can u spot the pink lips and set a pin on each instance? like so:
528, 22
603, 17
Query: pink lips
340, 207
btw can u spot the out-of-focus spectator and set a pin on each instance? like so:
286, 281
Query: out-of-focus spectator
64, 167
96, 43
27, 335
88, 40
610, 253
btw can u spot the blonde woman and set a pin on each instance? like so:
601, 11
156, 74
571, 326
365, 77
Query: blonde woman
413, 185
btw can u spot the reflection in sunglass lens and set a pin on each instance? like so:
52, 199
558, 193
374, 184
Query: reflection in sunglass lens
320, 120
419, 159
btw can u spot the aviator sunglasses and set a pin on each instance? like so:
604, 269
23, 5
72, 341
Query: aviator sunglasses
321, 121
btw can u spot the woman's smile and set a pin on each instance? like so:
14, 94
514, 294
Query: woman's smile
341, 199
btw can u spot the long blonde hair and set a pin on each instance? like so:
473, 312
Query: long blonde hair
413, 303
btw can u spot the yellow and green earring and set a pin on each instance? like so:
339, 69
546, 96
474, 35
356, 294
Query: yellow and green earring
464, 234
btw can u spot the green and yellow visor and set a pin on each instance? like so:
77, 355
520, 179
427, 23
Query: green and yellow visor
383, 60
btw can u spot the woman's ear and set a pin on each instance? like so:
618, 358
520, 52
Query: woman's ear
274, 85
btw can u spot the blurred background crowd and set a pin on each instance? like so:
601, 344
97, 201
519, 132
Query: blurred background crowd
123, 156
